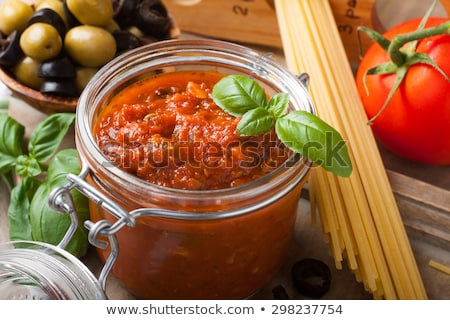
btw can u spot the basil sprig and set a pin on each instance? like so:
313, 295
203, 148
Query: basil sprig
41, 168
301, 131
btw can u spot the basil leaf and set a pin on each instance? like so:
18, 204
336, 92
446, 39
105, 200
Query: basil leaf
238, 94
19, 209
7, 163
310, 136
11, 136
300, 131
64, 161
48, 134
50, 226
255, 122
27, 166
278, 104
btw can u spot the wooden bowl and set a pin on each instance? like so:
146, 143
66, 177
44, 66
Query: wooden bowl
51, 103
43, 102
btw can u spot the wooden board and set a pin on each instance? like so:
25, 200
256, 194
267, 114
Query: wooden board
254, 21
422, 192
424, 207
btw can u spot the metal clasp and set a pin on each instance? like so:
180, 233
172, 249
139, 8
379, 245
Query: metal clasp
61, 201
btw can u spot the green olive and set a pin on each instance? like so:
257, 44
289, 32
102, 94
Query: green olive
41, 41
26, 72
14, 15
112, 26
55, 5
84, 74
91, 12
90, 46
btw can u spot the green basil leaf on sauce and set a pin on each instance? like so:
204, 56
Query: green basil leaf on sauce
238, 94
278, 104
310, 136
300, 131
256, 121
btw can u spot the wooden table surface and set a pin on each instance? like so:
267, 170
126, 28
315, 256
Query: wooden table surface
422, 193
428, 228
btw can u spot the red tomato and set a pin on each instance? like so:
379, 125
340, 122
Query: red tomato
416, 122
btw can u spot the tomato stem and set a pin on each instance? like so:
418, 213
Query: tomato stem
397, 56
401, 58
377, 37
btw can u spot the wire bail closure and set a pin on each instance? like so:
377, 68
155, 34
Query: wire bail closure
61, 201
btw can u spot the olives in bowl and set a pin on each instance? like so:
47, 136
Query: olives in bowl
50, 49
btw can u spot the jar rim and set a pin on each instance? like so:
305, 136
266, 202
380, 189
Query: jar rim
152, 54
53, 270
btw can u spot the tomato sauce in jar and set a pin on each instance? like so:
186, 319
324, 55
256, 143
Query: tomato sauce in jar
167, 130
213, 212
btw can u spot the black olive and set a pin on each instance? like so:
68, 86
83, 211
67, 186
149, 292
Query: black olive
311, 277
47, 15
279, 293
10, 52
153, 19
61, 67
60, 87
124, 12
125, 40
72, 21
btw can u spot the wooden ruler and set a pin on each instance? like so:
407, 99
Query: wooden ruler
252, 21
255, 22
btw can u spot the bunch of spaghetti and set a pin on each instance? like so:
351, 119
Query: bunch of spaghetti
359, 215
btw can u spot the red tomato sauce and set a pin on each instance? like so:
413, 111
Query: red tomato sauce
167, 130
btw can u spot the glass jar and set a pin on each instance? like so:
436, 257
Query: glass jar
40, 271
190, 244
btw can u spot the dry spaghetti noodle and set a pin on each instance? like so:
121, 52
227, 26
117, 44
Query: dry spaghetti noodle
359, 216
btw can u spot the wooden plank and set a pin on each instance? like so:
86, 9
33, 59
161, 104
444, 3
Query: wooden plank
421, 192
255, 22
246, 21
425, 208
